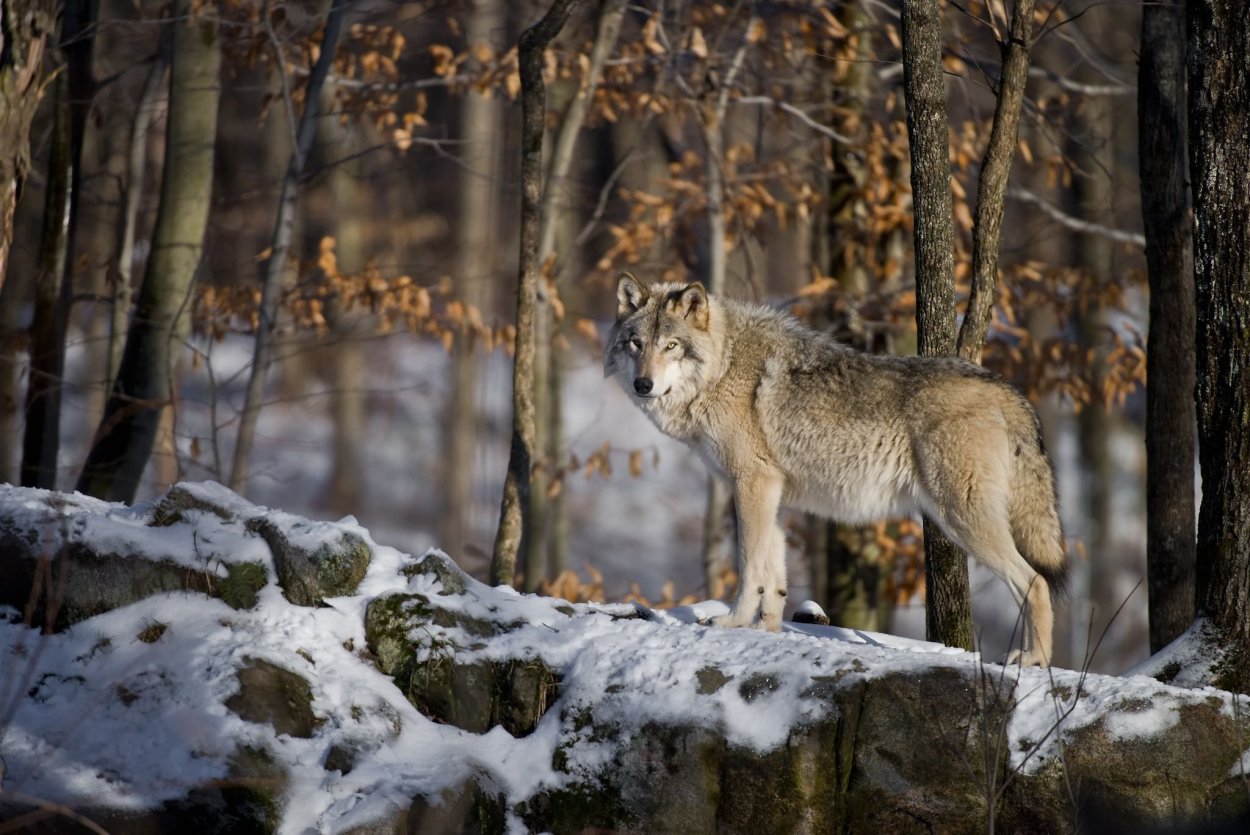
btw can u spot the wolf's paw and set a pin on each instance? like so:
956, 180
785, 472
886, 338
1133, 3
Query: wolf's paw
1031, 658
729, 621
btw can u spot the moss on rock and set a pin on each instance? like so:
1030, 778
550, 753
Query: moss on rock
409, 638
452, 579
171, 508
332, 569
86, 583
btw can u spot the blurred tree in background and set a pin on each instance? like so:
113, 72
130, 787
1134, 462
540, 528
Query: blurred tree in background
761, 147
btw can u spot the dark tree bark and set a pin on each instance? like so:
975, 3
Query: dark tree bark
948, 609
1219, 159
54, 289
145, 380
48, 325
280, 245
533, 112
136, 166
1169, 359
25, 26
992, 183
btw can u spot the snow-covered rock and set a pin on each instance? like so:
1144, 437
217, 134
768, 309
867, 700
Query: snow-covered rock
421, 700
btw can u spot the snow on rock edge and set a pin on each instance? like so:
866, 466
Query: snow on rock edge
546, 715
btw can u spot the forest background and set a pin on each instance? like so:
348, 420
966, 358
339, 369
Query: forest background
340, 342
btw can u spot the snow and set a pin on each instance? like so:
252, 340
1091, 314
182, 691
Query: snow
126, 531
810, 607
97, 717
1189, 657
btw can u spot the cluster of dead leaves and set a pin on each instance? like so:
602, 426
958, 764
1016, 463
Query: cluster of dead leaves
322, 291
597, 462
570, 586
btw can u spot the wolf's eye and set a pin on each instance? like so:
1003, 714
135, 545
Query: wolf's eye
671, 346
635, 343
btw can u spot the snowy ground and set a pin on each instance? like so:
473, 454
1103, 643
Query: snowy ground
96, 716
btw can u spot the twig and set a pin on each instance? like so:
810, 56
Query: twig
280, 66
302, 139
992, 183
824, 130
1064, 83
606, 192
1085, 227
44, 809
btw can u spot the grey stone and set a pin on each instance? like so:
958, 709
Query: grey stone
76, 582
307, 577
269, 694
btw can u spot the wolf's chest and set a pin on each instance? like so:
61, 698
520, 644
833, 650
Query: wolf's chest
711, 456
676, 423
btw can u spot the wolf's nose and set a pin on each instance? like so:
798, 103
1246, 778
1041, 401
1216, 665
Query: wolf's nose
643, 385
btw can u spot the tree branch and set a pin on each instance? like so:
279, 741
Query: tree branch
992, 186
1084, 227
534, 41
281, 242
606, 34
823, 130
1064, 83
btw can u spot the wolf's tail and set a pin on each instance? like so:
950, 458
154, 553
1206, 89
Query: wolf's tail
1033, 506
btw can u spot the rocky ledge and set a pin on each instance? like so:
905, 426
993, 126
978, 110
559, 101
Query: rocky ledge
202, 662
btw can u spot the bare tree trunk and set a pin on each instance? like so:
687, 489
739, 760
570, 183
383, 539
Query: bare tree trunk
275, 265
345, 352
542, 519
557, 511
136, 167
1219, 159
948, 610
12, 360
165, 469
855, 579
1091, 151
817, 533
844, 566
537, 565
24, 31
716, 510
992, 183
25, 26
477, 234
144, 385
1170, 409
533, 111
42, 441
47, 329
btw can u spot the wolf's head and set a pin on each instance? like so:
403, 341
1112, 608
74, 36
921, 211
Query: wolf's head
660, 340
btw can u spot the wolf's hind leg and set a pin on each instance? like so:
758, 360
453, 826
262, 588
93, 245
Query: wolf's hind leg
987, 537
761, 553
966, 471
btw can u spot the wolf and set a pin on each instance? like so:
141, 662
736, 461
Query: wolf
792, 418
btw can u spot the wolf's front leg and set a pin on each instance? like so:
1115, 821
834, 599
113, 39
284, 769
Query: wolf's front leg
761, 553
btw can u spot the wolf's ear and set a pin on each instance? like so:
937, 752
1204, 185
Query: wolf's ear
630, 295
691, 302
